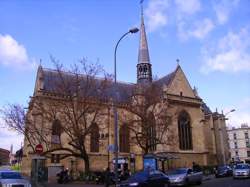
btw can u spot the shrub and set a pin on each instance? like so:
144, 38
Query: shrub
16, 167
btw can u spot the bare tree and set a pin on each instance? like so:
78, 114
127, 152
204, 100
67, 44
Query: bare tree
150, 122
14, 118
77, 98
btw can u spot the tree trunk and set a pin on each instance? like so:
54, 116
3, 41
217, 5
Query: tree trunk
86, 162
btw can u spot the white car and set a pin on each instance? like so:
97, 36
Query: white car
9, 178
184, 177
241, 171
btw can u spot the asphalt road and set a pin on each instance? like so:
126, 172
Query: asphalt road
215, 182
226, 182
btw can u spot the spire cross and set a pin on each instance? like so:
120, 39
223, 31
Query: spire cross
178, 61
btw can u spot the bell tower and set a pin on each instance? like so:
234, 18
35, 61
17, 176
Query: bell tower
144, 70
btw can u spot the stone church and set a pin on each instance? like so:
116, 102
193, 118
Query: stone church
200, 134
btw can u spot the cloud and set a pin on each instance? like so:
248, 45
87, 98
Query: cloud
239, 118
229, 54
199, 30
184, 15
188, 6
241, 115
156, 14
13, 54
189, 25
223, 8
13, 139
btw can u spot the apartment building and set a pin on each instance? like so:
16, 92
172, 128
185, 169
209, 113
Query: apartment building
239, 143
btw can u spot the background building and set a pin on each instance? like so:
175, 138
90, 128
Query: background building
239, 142
4, 157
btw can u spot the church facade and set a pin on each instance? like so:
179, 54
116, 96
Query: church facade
199, 134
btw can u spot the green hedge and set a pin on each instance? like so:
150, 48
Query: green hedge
16, 167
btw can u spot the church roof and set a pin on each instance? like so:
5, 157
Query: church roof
206, 109
51, 79
166, 80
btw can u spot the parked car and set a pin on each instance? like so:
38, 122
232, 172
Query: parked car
153, 178
184, 176
223, 171
12, 178
241, 171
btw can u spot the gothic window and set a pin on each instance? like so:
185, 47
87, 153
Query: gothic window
151, 133
56, 132
185, 131
124, 139
145, 71
94, 138
140, 69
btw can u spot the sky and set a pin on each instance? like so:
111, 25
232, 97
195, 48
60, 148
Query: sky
210, 38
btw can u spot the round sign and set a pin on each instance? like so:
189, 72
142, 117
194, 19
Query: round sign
39, 148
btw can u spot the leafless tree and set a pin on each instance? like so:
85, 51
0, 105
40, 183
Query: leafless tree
150, 122
76, 97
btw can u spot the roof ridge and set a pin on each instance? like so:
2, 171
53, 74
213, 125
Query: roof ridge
71, 73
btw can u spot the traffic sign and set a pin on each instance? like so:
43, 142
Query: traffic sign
39, 149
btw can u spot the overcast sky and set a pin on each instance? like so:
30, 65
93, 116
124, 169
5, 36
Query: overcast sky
211, 39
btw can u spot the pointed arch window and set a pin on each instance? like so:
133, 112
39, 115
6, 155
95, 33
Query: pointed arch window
185, 131
140, 69
56, 132
94, 138
124, 139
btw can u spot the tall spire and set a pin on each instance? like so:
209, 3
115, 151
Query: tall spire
143, 56
144, 72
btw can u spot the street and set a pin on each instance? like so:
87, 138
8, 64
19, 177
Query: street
215, 182
226, 182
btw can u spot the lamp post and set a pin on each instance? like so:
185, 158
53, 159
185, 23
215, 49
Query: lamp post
132, 31
233, 110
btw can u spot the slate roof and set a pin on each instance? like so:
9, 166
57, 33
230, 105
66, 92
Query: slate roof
206, 109
124, 90
51, 80
166, 79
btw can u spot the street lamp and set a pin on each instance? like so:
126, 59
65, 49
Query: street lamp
132, 31
233, 110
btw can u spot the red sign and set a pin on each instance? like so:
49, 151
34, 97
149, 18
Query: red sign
39, 149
